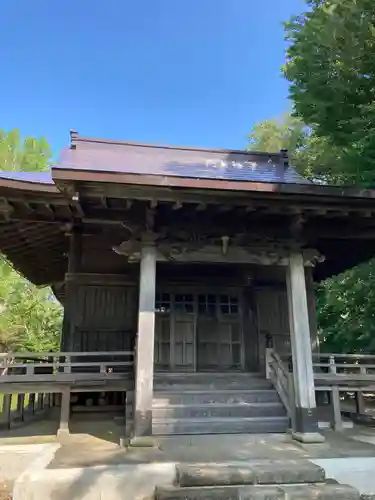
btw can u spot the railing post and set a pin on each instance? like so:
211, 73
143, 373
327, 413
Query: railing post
31, 403
67, 369
291, 400
336, 403
359, 399
269, 353
6, 410
20, 405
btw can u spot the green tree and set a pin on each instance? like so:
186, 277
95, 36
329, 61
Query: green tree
331, 67
26, 155
30, 317
345, 303
313, 157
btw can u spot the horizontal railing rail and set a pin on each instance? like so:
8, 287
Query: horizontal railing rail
334, 374
28, 366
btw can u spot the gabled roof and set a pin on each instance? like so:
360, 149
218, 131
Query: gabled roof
34, 177
101, 155
98, 180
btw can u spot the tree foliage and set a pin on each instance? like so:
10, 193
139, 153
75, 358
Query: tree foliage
23, 155
313, 157
30, 317
345, 303
331, 67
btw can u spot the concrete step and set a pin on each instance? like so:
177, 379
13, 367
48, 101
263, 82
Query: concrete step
191, 397
169, 426
208, 373
219, 410
208, 377
219, 384
254, 472
280, 492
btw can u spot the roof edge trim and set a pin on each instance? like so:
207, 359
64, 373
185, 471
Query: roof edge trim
68, 174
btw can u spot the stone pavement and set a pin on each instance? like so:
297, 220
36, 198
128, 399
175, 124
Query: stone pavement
93, 466
85, 451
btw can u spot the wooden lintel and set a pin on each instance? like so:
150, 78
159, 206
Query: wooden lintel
214, 254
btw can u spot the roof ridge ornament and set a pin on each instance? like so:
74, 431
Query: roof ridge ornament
73, 138
285, 157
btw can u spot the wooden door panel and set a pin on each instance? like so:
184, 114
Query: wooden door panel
184, 342
162, 345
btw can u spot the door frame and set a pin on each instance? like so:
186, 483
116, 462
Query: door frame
195, 290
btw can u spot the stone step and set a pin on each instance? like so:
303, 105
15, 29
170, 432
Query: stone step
254, 472
323, 491
191, 397
219, 384
229, 425
206, 378
208, 373
219, 410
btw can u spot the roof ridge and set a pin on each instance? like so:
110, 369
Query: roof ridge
75, 139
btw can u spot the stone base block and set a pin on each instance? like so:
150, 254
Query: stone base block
296, 492
308, 437
262, 472
63, 435
143, 442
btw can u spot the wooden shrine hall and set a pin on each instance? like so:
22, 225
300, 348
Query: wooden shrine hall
187, 279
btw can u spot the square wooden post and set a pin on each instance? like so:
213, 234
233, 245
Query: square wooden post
6, 410
144, 358
306, 420
64, 414
31, 404
20, 406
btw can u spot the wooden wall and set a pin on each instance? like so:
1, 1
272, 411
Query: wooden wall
271, 309
101, 309
101, 313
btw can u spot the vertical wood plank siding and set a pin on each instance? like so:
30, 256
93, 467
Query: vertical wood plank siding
103, 318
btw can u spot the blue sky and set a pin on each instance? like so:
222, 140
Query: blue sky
185, 72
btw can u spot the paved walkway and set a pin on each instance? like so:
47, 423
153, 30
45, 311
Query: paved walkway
91, 463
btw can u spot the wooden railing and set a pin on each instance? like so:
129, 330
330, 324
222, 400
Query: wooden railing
334, 374
344, 373
278, 372
31, 383
49, 366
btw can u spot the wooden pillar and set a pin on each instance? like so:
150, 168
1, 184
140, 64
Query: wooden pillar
311, 305
306, 421
64, 413
144, 362
31, 403
74, 266
20, 406
6, 410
